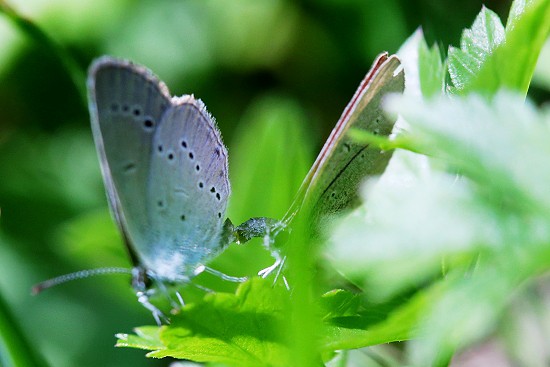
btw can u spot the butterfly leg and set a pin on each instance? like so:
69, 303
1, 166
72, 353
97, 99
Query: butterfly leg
219, 274
180, 299
140, 284
279, 261
159, 317
175, 305
269, 229
277, 265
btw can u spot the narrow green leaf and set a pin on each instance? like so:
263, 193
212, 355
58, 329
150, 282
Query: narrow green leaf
527, 30
431, 69
263, 181
42, 39
15, 350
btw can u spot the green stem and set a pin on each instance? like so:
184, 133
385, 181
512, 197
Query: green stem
36, 34
15, 350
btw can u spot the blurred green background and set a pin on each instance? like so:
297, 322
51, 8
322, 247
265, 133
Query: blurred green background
276, 75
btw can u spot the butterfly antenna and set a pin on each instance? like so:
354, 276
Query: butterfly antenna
37, 288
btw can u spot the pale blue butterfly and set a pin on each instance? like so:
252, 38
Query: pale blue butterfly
165, 171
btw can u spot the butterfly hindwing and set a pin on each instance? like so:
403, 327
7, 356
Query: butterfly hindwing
188, 186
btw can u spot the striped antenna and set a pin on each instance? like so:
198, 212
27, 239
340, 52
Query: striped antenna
37, 288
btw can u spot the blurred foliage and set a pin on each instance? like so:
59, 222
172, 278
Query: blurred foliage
276, 75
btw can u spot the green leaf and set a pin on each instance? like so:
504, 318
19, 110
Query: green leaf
491, 57
339, 302
42, 39
476, 46
495, 214
527, 29
431, 69
263, 182
399, 325
541, 76
15, 349
242, 329
146, 337
497, 146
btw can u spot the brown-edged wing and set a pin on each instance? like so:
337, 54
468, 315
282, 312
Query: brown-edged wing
333, 181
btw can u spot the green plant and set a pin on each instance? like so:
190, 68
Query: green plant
449, 241
447, 255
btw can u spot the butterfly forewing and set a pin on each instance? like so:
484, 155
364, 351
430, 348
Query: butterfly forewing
126, 104
334, 179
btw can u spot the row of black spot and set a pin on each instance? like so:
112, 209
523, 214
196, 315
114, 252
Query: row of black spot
148, 122
182, 217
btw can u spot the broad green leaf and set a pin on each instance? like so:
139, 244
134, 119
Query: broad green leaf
339, 302
498, 146
242, 329
483, 297
399, 325
396, 240
491, 57
476, 46
495, 214
304, 322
